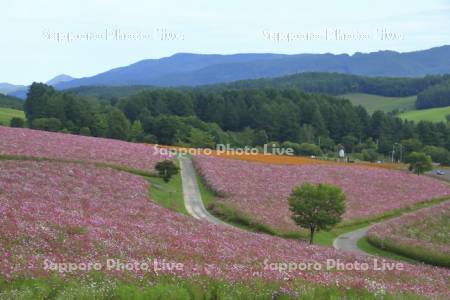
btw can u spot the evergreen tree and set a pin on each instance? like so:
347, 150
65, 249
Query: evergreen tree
136, 132
118, 125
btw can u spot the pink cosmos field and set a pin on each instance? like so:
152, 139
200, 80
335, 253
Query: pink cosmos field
81, 213
35, 143
261, 190
425, 229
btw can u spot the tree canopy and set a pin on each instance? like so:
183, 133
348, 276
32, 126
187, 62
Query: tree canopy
317, 207
419, 162
311, 124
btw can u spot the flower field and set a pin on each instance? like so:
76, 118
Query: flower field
35, 143
270, 159
280, 159
76, 213
261, 190
299, 160
422, 235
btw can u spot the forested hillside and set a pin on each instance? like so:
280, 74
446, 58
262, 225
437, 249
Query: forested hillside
201, 118
434, 96
429, 87
10, 102
189, 69
337, 84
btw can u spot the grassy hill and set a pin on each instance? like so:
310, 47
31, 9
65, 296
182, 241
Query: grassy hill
387, 104
432, 114
6, 114
406, 104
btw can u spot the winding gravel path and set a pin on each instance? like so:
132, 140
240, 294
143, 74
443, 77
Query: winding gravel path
191, 192
194, 205
348, 241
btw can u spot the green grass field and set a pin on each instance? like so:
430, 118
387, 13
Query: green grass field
432, 114
6, 114
366, 246
168, 194
96, 286
387, 104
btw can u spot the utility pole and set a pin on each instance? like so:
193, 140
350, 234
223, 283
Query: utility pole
393, 152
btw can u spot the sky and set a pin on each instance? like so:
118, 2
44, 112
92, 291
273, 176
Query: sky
40, 39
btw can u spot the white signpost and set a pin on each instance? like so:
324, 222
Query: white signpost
341, 154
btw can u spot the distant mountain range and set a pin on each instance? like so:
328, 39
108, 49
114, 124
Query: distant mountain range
176, 70
60, 79
185, 69
7, 88
20, 91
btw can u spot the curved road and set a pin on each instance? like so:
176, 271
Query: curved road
194, 205
191, 192
348, 241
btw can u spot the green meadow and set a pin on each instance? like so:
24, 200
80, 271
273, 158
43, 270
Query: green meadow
432, 114
373, 103
6, 114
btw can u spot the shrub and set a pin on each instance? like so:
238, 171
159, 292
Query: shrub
150, 139
419, 162
48, 124
309, 149
369, 155
438, 154
166, 169
85, 131
17, 122
200, 139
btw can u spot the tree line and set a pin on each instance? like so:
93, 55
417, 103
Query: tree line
338, 84
312, 124
434, 96
11, 102
432, 91
310, 82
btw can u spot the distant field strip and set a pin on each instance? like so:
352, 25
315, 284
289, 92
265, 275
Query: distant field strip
374, 102
432, 114
6, 114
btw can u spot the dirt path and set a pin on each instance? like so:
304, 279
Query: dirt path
192, 197
348, 241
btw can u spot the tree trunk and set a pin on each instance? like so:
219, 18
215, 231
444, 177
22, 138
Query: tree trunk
311, 237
